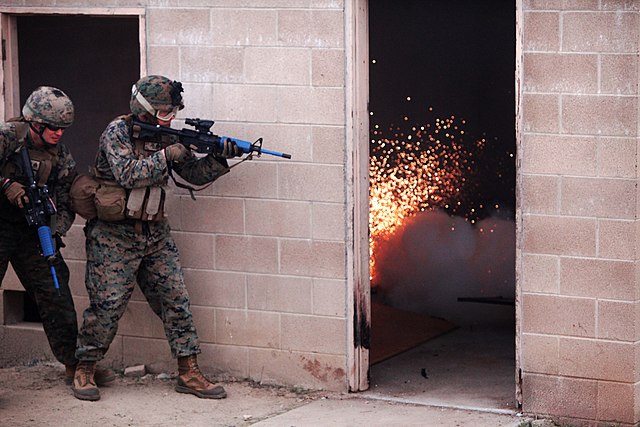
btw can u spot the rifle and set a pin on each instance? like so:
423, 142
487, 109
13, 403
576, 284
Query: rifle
38, 209
201, 140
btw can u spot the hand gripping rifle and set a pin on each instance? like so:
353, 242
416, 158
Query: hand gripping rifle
38, 209
201, 140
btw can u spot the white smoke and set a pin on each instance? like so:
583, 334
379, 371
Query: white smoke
433, 259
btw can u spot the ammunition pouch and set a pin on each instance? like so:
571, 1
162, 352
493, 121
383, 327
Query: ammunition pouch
96, 198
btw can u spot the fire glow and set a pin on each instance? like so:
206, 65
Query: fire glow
423, 168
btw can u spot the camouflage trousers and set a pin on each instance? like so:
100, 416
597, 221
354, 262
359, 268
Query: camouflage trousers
20, 246
117, 258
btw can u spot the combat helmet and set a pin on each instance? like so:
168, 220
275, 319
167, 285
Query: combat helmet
49, 106
152, 94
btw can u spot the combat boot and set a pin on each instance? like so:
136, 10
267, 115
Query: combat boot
101, 376
84, 386
191, 380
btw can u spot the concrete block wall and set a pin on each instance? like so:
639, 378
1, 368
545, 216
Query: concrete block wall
263, 248
578, 211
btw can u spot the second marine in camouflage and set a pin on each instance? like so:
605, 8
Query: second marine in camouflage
129, 241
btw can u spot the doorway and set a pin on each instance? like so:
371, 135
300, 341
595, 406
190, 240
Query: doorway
442, 202
93, 59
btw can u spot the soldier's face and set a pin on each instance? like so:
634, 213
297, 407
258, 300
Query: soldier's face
52, 134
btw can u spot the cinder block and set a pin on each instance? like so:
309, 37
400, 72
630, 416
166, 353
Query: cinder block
540, 273
327, 67
321, 105
216, 289
559, 155
540, 354
164, 60
554, 72
540, 194
278, 65
598, 197
175, 26
308, 370
555, 315
317, 183
541, 113
558, 235
248, 328
541, 31
247, 254
596, 278
250, 103
600, 360
618, 320
600, 32
617, 157
251, 179
311, 28
213, 215
615, 239
599, 115
196, 249
206, 64
155, 354
281, 294
234, 26
329, 221
328, 144
278, 218
559, 396
329, 297
617, 74
312, 258
616, 402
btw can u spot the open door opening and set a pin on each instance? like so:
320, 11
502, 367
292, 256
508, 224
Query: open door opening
442, 202
94, 59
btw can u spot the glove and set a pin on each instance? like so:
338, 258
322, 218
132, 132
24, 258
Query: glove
176, 153
15, 194
230, 149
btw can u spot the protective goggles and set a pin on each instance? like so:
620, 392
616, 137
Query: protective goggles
165, 116
53, 128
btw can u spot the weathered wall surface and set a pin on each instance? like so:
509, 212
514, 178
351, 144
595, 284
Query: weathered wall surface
263, 249
578, 210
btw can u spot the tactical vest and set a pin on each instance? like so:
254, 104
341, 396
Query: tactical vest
44, 163
145, 203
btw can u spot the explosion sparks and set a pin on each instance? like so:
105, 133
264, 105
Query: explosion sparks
426, 167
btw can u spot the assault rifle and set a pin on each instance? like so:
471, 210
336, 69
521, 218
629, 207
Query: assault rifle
38, 209
201, 140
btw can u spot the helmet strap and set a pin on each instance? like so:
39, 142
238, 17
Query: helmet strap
40, 133
141, 99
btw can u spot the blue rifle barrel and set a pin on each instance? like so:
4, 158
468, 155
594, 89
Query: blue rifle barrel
46, 243
248, 147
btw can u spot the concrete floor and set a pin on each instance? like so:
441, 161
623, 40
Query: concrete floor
468, 368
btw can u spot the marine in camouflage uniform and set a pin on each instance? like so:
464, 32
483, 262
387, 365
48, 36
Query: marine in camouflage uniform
47, 112
19, 243
139, 248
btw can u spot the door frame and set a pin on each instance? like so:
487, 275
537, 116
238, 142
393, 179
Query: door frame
9, 71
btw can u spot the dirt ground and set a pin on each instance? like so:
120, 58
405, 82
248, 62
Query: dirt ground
37, 396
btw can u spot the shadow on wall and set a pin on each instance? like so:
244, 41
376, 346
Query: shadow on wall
433, 259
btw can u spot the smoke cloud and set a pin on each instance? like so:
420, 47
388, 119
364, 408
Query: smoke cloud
433, 259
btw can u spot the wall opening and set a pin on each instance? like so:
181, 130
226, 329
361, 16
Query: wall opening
442, 201
94, 59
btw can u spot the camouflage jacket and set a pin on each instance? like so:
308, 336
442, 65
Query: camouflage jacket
59, 181
117, 161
